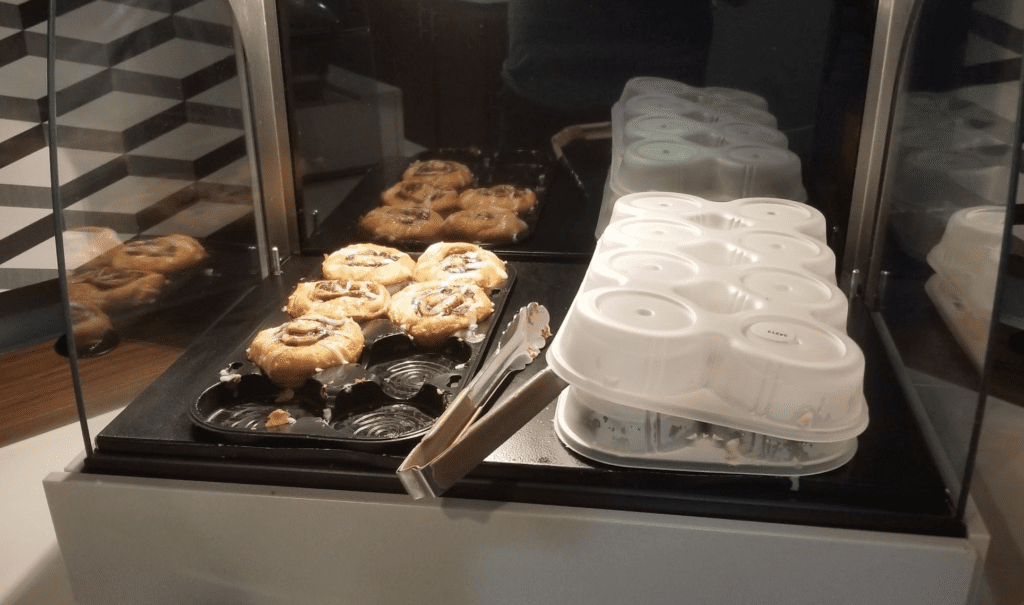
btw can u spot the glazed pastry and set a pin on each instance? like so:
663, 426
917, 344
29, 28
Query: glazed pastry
292, 352
443, 173
359, 300
112, 288
402, 224
369, 262
89, 324
486, 226
504, 197
460, 262
165, 254
420, 194
430, 312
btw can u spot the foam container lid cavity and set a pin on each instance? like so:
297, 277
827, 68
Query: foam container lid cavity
725, 313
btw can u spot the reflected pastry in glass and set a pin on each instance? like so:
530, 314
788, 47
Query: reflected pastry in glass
359, 300
90, 325
166, 254
484, 226
419, 194
402, 224
499, 197
430, 312
460, 261
111, 288
292, 352
443, 173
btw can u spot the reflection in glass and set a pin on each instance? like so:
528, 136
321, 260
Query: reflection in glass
952, 161
156, 188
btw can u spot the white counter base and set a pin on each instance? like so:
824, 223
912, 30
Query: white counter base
142, 541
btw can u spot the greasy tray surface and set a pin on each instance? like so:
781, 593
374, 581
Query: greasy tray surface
390, 397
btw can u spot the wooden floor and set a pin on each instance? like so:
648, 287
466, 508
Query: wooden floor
36, 391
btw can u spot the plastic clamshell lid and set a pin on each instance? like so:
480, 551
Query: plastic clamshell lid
726, 313
624, 436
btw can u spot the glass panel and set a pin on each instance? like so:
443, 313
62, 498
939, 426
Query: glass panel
159, 233
952, 167
493, 83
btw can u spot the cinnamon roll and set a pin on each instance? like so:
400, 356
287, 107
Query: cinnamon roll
112, 288
359, 300
165, 254
294, 351
369, 262
402, 224
485, 226
443, 173
461, 262
503, 197
430, 312
420, 194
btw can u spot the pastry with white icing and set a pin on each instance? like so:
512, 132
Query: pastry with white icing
462, 262
359, 300
430, 312
294, 351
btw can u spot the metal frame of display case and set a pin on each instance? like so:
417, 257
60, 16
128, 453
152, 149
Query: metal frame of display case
103, 521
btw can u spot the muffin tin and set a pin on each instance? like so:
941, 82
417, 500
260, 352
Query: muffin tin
387, 400
721, 313
717, 143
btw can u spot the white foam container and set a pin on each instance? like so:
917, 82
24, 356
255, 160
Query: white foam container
966, 263
967, 256
632, 437
725, 313
716, 143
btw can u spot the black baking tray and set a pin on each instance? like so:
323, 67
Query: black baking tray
562, 229
385, 402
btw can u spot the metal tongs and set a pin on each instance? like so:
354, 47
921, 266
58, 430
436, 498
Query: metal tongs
458, 442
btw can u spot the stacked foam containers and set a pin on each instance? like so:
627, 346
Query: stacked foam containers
952, 155
966, 264
717, 143
711, 336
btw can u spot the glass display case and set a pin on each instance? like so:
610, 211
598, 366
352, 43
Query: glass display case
249, 141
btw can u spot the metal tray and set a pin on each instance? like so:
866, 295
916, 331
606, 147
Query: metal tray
387, 400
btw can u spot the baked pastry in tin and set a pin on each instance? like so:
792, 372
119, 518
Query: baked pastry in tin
460, 261
430, 312
387, 266
294, 351
359, 300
